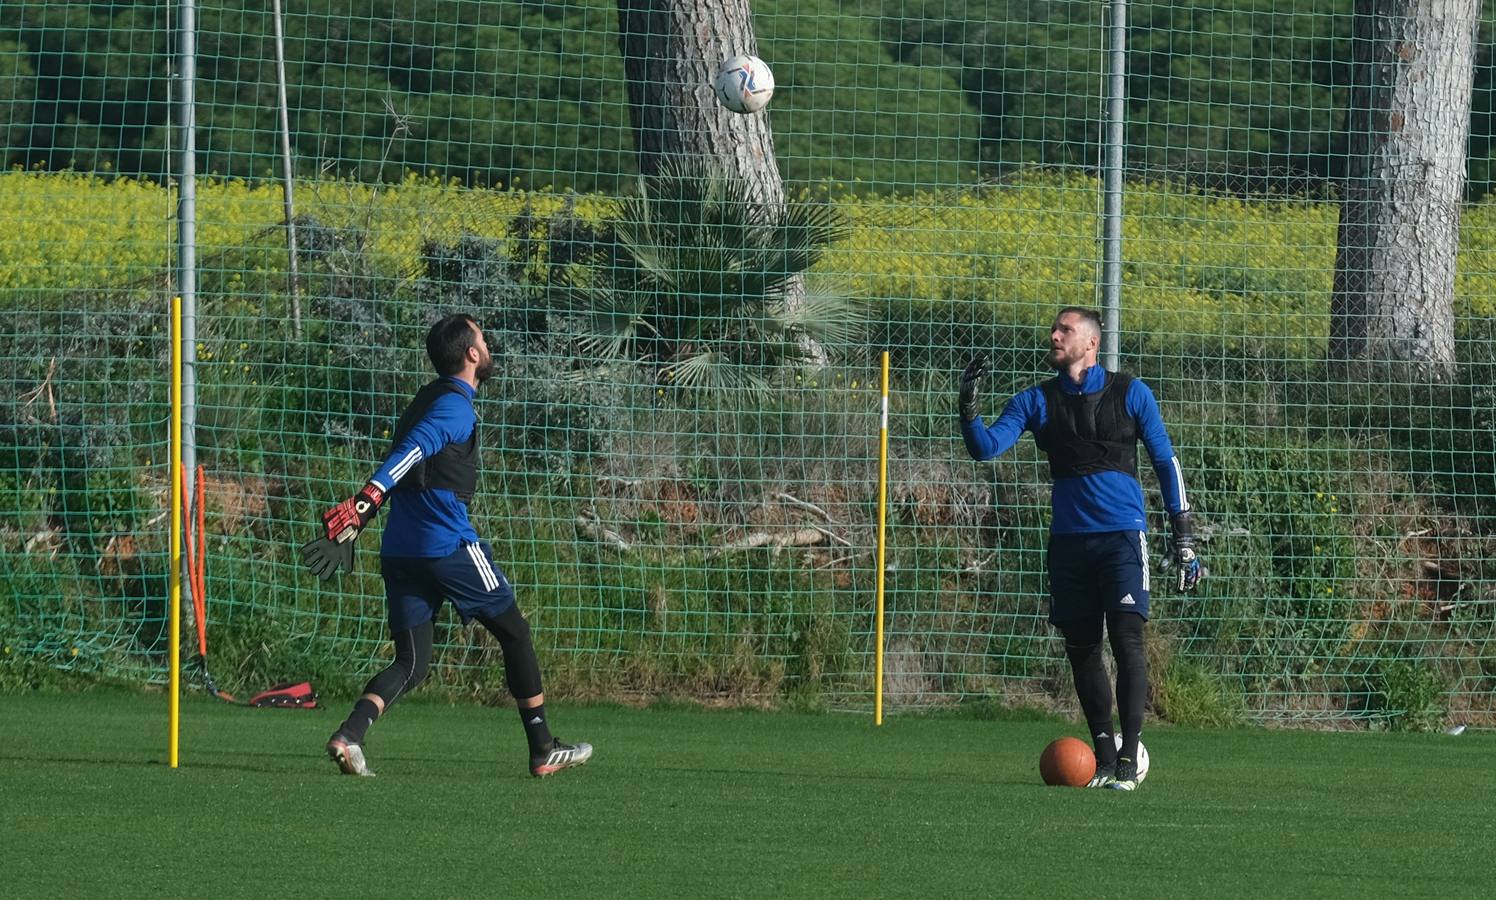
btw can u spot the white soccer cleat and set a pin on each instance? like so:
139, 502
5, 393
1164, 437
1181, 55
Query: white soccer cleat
560, 756
349, 757
1104, 776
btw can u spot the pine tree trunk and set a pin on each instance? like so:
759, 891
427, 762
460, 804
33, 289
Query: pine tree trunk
671, 49
1400, 209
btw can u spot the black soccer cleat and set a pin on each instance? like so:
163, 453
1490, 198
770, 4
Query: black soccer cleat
1126, 777
559, 756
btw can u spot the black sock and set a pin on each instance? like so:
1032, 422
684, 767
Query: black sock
1104, 744
536, 731
365, 711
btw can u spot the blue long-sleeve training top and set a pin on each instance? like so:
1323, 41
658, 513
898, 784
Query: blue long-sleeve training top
1103, 501
431, 523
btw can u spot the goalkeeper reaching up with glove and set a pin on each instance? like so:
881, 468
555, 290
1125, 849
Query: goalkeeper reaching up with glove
1088, 421
431, 553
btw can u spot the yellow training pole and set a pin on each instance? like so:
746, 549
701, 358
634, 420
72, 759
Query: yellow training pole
882, 520
174, 587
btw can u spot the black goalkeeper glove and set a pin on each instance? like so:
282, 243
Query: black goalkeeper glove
324, 558
971, 385
1188, 564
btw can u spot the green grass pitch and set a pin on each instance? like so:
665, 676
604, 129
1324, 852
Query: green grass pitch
684, 803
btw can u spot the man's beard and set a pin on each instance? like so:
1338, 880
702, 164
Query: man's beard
484, 371
1056, 359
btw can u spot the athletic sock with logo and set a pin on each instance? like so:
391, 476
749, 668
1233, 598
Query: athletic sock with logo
365, 711
1104, 744
537, 732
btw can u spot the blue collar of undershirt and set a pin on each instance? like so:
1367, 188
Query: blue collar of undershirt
467, 389
1091, 381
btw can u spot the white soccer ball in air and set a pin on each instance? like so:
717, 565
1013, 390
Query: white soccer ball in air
1142, 757
744, 84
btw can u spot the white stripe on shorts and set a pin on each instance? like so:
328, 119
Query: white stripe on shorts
485, 571
1143, 546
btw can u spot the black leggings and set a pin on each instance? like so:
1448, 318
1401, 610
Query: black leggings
521, 667
413, 658
412, 661
1124, 632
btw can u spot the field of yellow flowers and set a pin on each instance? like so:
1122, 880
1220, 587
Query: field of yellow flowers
1250, 270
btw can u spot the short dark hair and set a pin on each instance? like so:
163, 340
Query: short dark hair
1090, 315
448, 341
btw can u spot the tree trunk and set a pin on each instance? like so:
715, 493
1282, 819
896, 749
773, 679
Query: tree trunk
671, 49
1400, 209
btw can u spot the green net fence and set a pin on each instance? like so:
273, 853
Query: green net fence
681, 464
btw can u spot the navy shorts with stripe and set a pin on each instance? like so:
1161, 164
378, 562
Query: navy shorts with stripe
1093, 574
415, 587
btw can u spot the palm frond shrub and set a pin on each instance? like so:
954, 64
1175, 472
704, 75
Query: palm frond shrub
706, 287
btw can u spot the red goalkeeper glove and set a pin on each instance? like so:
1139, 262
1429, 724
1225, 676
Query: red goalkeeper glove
345, 521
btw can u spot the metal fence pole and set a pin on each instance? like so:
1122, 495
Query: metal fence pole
287, 170
187, 229
1115, 140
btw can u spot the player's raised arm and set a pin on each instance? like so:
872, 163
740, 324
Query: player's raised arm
984, 441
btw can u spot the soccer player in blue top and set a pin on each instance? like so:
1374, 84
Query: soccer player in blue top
1088, 421
431, 554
